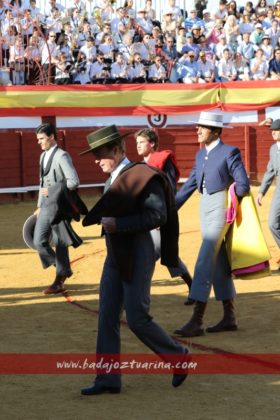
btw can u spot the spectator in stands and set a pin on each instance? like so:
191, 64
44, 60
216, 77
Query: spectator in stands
130, 11
196, 32
137, 71
7, 22
259, 66
75, 20
221, 46
53, 22
32, 55
169, 24
226, 68
99, 72
261, 19
261, 7
231, 30
180, 40
245, 23
190, 46
144, 21
213, 37
269, 18
232, 9
27, 26
274, 32
157, 72
84, 33
188, 70
49, 58
146, 49
274, 65
221, 11
246, 47
107, 48
257, 35
208, 23
248, 8
127, 48
17, 61
192, 20
64, 46
89, 49
266, 47
107, 10
242, 67
35, 11
206, 68
80, 73
62, 70
277, 10
50, 5
169, 48
80, 5
176, 12
119, 70
106, 30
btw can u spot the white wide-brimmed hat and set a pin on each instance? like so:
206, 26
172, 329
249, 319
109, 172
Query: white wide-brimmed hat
211, 120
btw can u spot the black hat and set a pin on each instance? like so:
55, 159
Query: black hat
275, 125
102, 137
28, 231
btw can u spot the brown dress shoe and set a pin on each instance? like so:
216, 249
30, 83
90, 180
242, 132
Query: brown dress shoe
57, 286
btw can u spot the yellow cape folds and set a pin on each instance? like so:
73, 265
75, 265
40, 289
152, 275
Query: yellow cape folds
246, 246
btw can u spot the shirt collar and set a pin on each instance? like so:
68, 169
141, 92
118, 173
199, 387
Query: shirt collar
212, 145
118, 169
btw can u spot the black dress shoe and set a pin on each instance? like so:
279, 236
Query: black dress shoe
97, 389
179, 378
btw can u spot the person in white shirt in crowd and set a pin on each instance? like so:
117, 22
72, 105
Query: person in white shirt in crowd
257, 35
242, 67
49, 58
7, 22
81, 71
267, 47
27, 25
208, 22
17, 61
146, 49
107, 48
176, 12
261, 19
120, 17
180, 39
130, 11
83, 34
137, 71
80, 5
89, 49
269, 18
118, 37
157, 72
63, 46
168, 23
221, 11
54, 22
98, 72
246, 24
246, 47
75, 20
49, 4
35, 11
206, 68
107, 10
119, 70
220, 47
274, 32
231, 30
62, 70
32, 55
193, 19
127, 48
188, 70
259, 66
106, 30
144, 20
226, 68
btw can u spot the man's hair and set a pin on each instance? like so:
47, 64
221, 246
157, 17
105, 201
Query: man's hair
148, 134
47, 129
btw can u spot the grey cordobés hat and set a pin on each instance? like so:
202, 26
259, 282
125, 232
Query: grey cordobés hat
102, 137
275, 125
210, 119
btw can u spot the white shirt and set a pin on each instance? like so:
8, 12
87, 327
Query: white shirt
212, 145
48, 155
118, 169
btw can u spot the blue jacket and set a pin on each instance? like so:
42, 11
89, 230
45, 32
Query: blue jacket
221, 167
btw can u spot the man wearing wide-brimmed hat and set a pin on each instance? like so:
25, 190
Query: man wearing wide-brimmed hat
217, 165
272, 172
137, 198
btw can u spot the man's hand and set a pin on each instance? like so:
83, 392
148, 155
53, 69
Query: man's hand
109, 224
45, 192
259, 199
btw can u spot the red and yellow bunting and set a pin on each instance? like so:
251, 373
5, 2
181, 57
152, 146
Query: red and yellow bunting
107, 100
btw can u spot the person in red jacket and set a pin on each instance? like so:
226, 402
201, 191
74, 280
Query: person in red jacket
147, 143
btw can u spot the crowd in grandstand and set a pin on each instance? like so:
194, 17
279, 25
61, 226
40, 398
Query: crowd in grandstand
50, 43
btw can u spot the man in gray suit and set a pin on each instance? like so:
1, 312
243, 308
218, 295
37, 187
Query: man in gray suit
56, 167
217, 166
137, 198
272, 171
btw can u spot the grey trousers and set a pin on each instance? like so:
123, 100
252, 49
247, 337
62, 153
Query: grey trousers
274, 216
173, 271
59, 257
134, 297
212, 266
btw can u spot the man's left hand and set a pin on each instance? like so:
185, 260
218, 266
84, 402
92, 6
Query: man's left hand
109, 224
